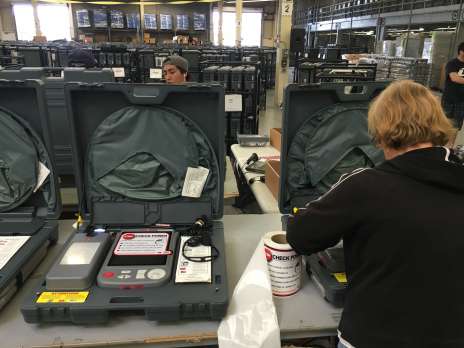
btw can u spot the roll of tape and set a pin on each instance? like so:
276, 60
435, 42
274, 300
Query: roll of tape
284, 264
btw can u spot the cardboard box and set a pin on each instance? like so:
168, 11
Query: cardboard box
276, 137
272, 173
39, 39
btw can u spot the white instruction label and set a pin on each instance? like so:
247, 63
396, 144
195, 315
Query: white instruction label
141, 243
233, 102
195, 180
9, 246
119, 72
44, 172
193, 272
156, 73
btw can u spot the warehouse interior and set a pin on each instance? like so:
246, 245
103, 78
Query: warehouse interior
255, 72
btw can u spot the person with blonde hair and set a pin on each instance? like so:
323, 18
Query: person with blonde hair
401, 225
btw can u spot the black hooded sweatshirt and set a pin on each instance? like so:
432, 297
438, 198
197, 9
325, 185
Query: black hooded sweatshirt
403, 236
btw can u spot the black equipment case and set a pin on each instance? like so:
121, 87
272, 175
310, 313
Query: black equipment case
24, 209
324, 135
122, 135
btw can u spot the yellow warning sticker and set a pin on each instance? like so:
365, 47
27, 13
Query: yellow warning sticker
63, 297
341, 277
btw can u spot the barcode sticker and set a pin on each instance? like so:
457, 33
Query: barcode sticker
195, 180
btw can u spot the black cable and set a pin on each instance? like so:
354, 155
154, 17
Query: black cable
199, 235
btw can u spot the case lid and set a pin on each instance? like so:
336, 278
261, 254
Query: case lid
339, 107
23, 111
133, 144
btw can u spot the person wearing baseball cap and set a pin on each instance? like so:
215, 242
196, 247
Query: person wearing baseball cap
80, 57
175, 69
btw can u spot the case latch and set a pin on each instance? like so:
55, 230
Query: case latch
22, 221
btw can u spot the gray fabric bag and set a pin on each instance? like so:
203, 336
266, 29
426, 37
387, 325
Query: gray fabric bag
18, 163
332, 142
142, 153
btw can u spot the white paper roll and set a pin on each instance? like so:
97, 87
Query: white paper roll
284, 264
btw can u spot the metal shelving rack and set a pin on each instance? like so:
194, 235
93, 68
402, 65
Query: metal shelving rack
246, 121
310, 12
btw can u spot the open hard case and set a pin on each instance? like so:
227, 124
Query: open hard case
133, 145
29, 210
324, 135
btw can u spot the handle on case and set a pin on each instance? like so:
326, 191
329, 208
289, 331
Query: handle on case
86, 84
9, 82
147, 93
357, 91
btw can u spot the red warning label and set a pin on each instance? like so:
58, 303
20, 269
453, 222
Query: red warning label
268, 254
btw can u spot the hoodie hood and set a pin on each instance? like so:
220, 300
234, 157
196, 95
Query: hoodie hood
437, 166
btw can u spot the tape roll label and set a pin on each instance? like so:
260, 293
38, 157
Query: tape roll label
284, 266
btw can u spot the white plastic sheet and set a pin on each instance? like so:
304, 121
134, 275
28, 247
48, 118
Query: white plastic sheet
251, 320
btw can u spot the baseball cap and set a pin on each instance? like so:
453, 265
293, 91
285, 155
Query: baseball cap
81, 57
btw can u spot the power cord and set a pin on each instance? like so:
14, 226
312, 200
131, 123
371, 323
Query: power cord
243, 168
199, 235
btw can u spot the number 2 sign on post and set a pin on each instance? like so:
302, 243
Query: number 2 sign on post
287, 7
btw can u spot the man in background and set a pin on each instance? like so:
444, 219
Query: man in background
453, 95
81, 58
175, 70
